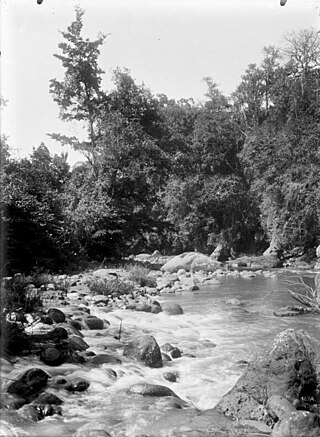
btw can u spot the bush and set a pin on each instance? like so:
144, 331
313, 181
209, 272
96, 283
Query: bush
140, 274
110, 286
17, 295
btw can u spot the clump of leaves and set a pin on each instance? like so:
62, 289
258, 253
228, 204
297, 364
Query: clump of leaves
307, 295
109, 287
18, 295
140, 274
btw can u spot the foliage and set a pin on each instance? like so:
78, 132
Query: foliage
17, 294
140, 274
109, 287
36, 234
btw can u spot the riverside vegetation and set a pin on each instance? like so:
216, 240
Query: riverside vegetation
159, 174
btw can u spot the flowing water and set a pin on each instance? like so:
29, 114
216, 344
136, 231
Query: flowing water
223, 326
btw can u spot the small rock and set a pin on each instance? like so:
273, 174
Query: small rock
165, 357
175, 353
298, 424
171, 376
93, 322
77, 384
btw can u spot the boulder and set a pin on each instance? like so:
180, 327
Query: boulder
48, 398
172, 309
287, 368
151, 390
190, 261
144, 349
298, 424
77, 343
30, 383
52, 356
56, 315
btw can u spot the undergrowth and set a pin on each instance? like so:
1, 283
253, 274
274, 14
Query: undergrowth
108, 287
140, 274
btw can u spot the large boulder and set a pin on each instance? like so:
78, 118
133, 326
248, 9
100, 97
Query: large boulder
144, 349
287, 368
190, 261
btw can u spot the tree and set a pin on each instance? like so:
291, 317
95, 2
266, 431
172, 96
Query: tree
37, 235
78, 95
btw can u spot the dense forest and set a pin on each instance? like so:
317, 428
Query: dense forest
240, 170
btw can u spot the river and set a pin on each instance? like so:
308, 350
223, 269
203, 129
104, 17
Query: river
223, 326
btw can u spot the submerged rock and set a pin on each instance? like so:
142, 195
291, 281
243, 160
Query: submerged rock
92, 430
77, 384
172, 308
144, 349
105, 358
151, 390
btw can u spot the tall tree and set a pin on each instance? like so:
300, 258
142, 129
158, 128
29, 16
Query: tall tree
78, 95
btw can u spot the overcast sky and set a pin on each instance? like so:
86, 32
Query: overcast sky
170, 45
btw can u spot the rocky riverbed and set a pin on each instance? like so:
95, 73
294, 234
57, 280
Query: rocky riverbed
79, 331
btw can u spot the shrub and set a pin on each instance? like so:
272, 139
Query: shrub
110, 286
17, 295
140, 274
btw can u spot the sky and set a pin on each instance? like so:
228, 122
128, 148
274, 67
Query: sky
169, 45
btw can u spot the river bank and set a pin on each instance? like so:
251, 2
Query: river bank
211, 344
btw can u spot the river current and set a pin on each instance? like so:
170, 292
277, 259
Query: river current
223, 327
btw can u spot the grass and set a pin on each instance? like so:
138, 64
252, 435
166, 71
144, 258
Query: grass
18, 295
140, 274
305, 294
109, 287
